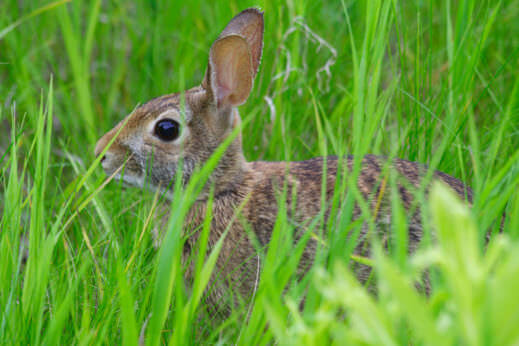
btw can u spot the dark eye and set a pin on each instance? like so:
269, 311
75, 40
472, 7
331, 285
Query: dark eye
167, 130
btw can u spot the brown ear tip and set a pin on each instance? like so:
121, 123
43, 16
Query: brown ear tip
253, 10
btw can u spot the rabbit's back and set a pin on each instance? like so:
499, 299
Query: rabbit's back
303, 180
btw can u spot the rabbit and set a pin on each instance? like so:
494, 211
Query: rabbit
159, 135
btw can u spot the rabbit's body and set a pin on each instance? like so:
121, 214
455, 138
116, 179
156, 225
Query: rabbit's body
263, 183
189, 127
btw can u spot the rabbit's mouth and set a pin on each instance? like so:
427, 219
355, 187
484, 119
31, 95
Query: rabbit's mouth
127, 171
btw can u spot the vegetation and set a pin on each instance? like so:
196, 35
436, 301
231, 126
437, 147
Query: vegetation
430, 81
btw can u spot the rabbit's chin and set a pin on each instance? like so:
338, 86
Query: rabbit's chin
131, 180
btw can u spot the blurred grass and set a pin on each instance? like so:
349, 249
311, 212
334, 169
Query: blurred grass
429, 81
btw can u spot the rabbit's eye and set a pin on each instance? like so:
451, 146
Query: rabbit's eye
167, 130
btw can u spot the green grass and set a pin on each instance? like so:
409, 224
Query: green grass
430, 81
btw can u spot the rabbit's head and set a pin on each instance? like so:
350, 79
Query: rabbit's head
187, 127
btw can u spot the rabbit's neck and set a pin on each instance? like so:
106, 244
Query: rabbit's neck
230, 174
232, 169
233, 176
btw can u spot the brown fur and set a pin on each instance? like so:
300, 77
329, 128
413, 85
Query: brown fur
210, 117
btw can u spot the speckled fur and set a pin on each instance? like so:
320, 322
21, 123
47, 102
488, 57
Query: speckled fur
256, 185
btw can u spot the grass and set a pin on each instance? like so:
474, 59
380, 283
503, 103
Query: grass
429, 81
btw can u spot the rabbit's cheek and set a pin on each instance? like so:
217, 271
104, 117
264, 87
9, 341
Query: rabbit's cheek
161, 176
163, 173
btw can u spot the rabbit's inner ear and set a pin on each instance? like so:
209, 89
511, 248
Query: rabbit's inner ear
249, 26
230, 71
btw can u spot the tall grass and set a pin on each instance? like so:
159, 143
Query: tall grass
430, 81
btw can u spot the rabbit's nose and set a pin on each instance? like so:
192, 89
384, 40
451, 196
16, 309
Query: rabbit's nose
98, 152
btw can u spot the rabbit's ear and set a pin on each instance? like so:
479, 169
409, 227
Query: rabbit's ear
249, 25
234, 59
230, 72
